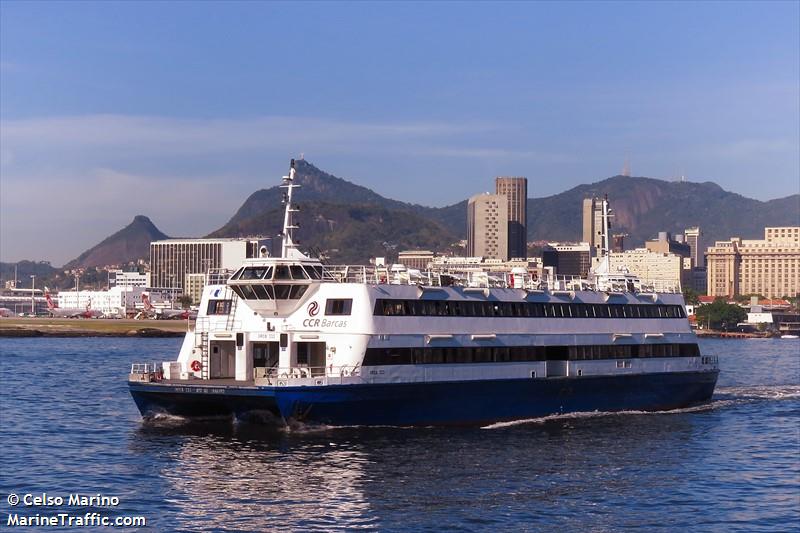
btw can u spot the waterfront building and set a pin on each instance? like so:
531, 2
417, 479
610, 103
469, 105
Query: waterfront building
593, 224
568, 259
116, 301
172, 259
769, 267
487, 226
694, 238
416, 259
19, 299
667, 268
515, 189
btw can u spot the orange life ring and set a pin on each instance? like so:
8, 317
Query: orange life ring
195, 365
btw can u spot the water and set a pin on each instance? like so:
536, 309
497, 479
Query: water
69, 426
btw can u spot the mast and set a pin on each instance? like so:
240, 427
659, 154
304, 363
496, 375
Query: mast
606, 214
287, 242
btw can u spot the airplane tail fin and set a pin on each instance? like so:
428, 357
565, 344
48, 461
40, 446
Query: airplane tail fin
146, 301
50, 303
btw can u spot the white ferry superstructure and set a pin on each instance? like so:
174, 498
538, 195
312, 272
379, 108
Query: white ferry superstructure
295, 340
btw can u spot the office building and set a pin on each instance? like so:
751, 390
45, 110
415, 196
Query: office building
487, 226
568, 259
694, 238
661, 269
118, 278
515, 189
172, 259
769, 267
665, 244
593, 224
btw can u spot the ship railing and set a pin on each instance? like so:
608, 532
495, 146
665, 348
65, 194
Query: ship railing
218, 276
480, 278
146, 372
307, 375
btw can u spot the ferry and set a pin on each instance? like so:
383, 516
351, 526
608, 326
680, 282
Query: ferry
290, 339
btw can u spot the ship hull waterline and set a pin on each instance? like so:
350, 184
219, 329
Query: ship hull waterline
430, 403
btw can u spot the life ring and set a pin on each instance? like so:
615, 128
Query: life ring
195, 366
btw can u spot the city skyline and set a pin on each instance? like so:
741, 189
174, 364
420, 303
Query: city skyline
111, 110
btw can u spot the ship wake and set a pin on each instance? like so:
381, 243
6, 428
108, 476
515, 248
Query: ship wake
724, 397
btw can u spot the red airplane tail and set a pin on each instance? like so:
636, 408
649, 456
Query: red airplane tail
50, 303
146, 302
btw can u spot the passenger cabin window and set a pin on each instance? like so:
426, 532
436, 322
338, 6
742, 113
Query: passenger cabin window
517, 354
340, 306
387, 307
219, 307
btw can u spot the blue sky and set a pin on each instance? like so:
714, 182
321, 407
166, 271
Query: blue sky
180, 110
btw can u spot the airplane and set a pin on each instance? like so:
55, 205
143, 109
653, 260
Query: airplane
5, 311
72, 312
166, 314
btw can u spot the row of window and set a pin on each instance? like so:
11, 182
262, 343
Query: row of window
512, 354
270, 292
384, 307
279, 272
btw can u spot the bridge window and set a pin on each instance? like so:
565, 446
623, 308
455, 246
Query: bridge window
250, 273
282, 272
264, 292
342, 306
298, 272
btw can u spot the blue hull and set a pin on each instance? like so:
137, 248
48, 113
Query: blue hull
440, 403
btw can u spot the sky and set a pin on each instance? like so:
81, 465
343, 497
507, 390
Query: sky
179, 111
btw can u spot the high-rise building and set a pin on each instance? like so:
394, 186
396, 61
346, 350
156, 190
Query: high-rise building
172, 259
487, 226
693, 237
769, 267
515, 189
593, 224
568, 259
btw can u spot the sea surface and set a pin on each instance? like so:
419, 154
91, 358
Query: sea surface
68, 425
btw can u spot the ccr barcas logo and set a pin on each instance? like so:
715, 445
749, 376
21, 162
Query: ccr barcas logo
313, 309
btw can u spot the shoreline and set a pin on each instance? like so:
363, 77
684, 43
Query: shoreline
84, 327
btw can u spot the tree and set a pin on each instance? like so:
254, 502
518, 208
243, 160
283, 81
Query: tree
691, 296
720, 315
186, 301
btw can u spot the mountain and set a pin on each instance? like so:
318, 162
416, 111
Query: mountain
349, 222
645, 206
128, 244
357, 222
